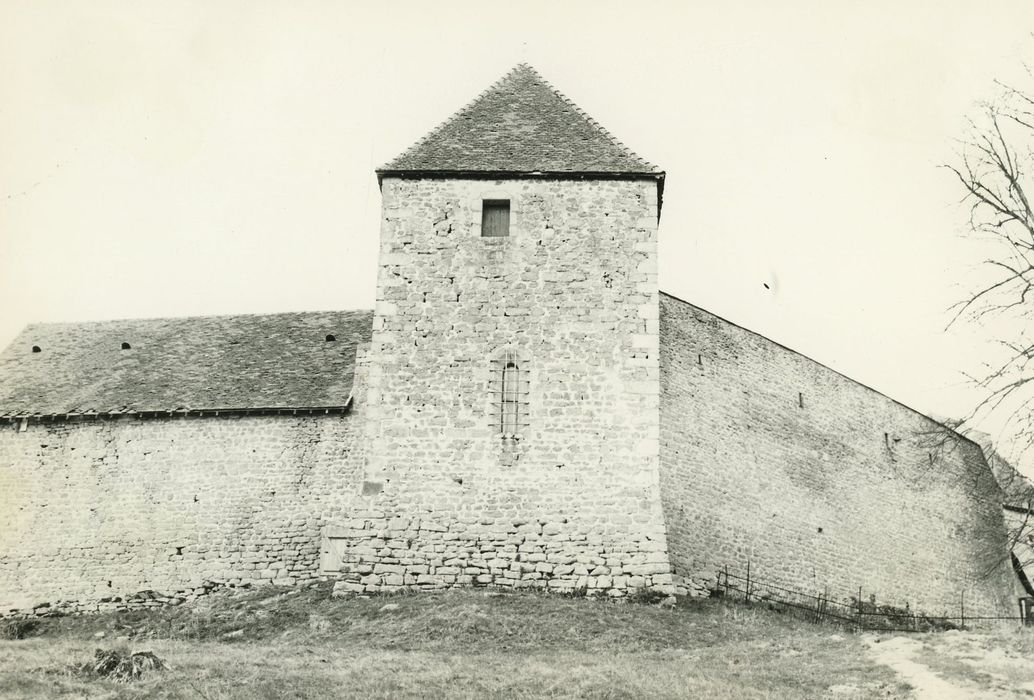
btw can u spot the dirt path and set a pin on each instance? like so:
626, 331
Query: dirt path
954, 666
899, 653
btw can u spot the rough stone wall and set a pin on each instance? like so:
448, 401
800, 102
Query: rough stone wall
573, 502
818, 481
1019, 524
102, 509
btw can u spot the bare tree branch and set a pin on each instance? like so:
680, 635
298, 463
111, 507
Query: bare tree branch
993, 169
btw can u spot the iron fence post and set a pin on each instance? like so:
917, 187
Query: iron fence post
860, 625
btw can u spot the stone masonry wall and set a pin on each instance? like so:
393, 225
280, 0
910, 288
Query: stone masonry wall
102, 509
573, 501
1019, 524
818, 481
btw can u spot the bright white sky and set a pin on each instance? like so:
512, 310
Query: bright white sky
189, 158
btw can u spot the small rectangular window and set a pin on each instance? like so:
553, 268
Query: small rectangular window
495, 218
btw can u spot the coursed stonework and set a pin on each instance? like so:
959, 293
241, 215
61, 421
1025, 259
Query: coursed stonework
571, 501
91, 511
818, 481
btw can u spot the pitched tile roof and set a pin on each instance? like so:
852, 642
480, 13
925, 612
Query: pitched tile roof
520, 124
177, 364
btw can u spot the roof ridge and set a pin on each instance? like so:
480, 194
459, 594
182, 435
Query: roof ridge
195, 317
588, 118
455, 115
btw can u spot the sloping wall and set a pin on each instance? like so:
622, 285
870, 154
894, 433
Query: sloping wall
818, 481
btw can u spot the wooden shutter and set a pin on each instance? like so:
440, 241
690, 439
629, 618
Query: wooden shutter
495, 218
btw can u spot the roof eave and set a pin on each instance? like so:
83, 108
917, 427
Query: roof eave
658, 176
335, 409
438, 173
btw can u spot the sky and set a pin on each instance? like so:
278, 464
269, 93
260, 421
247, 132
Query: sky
217, 157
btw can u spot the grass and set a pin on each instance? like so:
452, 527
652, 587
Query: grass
1001, 660
275, 643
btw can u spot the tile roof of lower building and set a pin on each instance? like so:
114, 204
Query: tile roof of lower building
521, 124
214, 363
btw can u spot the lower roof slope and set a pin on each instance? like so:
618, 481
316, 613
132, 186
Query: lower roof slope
225, 363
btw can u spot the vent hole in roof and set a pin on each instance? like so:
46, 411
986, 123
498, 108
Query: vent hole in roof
126, 346
36, 348
330, 337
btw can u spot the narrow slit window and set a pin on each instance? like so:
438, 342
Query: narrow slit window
510, 415
495, 218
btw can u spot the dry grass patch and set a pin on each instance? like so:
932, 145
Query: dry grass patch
274, 643
999, 661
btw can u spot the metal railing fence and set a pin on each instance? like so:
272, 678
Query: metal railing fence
853, 611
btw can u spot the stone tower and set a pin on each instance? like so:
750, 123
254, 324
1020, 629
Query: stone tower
512, 397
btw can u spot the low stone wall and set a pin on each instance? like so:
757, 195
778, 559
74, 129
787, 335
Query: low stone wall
122, 513
375, 552
141, 600
103, 509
